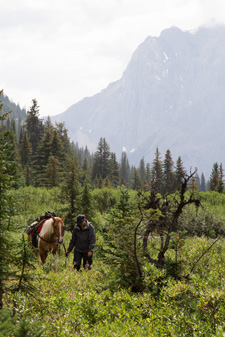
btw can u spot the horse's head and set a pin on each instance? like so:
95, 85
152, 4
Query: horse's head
58, 224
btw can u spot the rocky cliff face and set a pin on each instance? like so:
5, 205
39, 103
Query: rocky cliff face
171, 96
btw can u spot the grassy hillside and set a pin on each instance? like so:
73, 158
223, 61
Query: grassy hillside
95, 303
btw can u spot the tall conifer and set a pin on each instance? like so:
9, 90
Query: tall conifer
157, 171
179, 172
168, 174
124, 170
34, 126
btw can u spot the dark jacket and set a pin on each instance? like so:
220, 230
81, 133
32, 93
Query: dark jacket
83, 240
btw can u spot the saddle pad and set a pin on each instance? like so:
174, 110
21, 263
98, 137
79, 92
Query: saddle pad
40, 226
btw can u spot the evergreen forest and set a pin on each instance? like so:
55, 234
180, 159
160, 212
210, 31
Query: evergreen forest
158, 265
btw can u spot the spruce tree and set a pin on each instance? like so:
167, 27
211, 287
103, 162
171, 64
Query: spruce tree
71, 190
48, 126
87, 201
202, 183
13, 259
101, 165
85, 171
63, 135
52, 176
42, 158
136, 180
25, 151
180, 173
114, 170
168, 174
120, 251
7, 172
214, 179
34, 126
221, 179
142, 170
157, 172
56, 146
148, 174
198, 182
124, 170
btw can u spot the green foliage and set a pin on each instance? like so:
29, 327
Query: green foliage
10, 326
7, 168
35, 201
16, 115
87, 201
82, 304
101, 165
105, 198
99, 302
71, 190
120, 238
216, 181
209, 219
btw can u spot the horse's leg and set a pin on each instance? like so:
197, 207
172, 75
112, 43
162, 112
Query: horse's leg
56, 262
29, 238
42, 255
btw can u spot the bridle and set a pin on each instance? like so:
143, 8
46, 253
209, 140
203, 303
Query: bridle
56, 240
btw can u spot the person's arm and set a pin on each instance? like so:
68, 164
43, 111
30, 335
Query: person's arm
92, 240
72, 242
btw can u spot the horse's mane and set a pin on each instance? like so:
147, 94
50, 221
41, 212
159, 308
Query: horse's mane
47, 228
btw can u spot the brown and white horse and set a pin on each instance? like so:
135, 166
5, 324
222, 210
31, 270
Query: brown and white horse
49, 238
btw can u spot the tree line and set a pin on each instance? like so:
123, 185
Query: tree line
45, 157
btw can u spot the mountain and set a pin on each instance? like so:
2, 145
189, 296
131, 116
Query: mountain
171, 96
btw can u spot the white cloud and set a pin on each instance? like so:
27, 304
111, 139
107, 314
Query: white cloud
61, 51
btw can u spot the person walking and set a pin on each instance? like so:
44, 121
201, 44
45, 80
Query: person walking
84, 239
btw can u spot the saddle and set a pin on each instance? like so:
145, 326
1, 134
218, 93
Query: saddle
36, 227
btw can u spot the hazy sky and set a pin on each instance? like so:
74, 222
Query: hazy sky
62, 51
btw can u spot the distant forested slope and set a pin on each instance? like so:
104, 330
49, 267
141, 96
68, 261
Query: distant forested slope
17, 115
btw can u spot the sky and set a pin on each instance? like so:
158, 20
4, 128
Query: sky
59, 52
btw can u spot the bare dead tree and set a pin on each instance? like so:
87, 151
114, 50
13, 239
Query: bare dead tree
170, 210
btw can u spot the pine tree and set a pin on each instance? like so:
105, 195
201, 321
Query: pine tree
148, 174
168, 174
87, 201
34, 126
120, 252
114, 170
25, 151
136, 180
142, 170
180, 173
42, 158
221, 179
7, 173
52, 176
13, 261
71, 191
63, 135
48, 125
202, 183
101, 165
85, 171
198, 182
124, 170
56, 146
157, 172
214, 180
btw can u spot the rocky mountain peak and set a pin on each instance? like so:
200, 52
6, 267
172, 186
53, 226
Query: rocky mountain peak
171, 96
